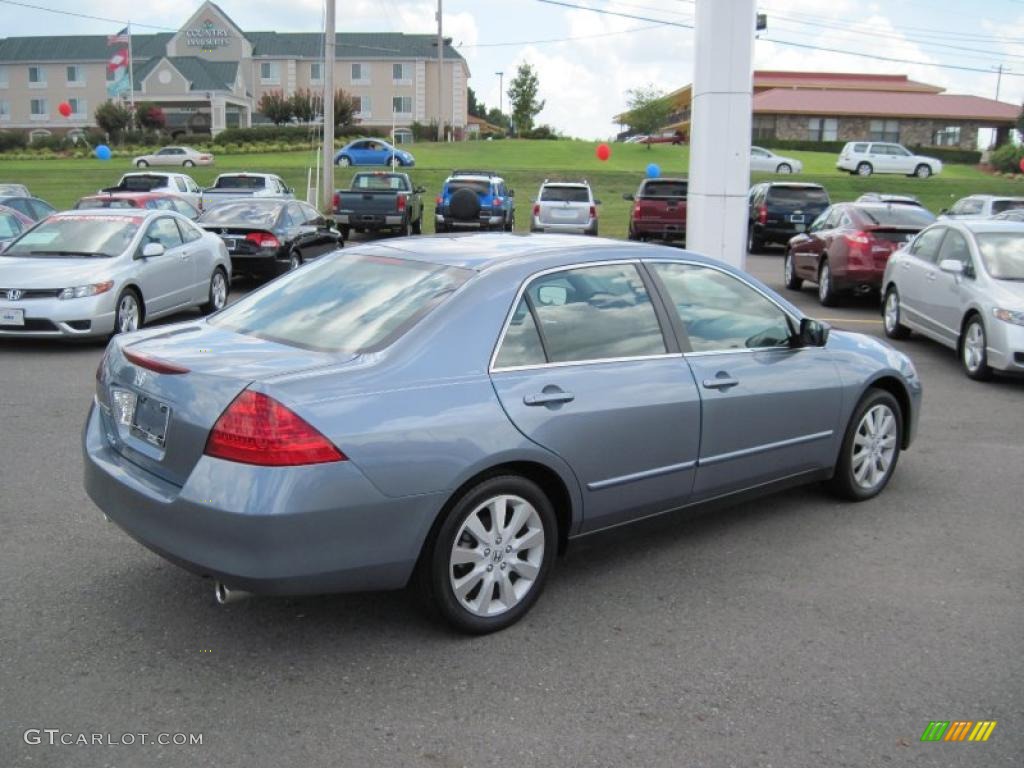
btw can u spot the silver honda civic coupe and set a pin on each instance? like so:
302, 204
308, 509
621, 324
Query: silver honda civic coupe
457, 408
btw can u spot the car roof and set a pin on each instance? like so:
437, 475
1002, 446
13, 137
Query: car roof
793, 184
481, 251
554, 183
130, 196
989, 225
154, 174
115, 212
992, 197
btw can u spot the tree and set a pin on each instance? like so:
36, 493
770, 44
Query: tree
149, 116
522, 95
276, 107
497, 118
474, 107
1020, 121
306, 105
113, 118
649, 110
344, 109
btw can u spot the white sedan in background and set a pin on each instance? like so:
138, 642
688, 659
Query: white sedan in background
98, 272
185, 157
765, 160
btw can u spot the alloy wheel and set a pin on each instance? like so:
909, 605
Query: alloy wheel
974, 347
787, 268
127, 314
497, 555
218, 290
874, 446
892, 312
825, 283
294, 261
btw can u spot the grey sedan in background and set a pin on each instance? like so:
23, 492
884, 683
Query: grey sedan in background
185, 157
962, 284
458, 408
97, 272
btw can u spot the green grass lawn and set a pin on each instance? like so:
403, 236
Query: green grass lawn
524, 164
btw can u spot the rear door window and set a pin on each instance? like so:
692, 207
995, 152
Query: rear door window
521, 344
860, 148
595, 313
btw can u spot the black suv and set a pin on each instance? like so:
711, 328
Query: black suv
781, 209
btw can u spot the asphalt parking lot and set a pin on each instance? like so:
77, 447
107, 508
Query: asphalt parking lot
791, 631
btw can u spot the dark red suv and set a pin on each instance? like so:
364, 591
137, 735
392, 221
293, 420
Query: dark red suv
659, 210
847, 247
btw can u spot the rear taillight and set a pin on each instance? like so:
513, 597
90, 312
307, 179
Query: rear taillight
336, 201
762, 215
257, 429
593, 211
400, 202
438, 200
497, 202
637, 211
154, 364
536, 209
263, 240
857, 238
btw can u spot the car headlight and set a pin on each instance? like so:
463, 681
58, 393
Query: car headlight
81, 291
1009, 315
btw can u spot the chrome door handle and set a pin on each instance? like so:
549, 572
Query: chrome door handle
720, 383
548, 398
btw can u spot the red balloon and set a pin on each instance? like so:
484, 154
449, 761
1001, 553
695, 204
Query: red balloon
64, 108
1021, 164
603, 152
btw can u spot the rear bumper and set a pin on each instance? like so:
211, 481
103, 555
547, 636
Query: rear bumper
297, 530
69, 319
587, 228
667, 230
481, 223
858, 278
369, 220
781, 232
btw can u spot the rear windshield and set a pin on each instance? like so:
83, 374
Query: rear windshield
76, 237
142, 183
998, 206
664, 189
897, 216
15, 190
345, 303
101, 203
798, 195
246, 214
375, 181
480, 187
565, 195
240, 182
1003, 254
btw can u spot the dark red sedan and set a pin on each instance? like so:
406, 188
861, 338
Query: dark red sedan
847, 247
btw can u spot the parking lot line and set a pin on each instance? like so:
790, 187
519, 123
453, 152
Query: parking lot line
848, 320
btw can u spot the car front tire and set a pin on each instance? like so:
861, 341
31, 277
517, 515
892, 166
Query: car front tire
128, 312
894, 329
974, 351
871, 447
486, 566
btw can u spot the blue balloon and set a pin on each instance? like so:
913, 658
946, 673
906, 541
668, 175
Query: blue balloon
103, 152
653, 171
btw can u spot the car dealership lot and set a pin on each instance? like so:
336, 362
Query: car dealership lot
793, 631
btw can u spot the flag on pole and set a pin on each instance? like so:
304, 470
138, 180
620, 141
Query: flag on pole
118, 60
121, 38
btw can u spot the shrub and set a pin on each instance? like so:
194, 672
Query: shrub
541, 132
12, 141
1007, 158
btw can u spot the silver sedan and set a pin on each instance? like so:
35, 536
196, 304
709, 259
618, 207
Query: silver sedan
962, 284
97, 272
184, 157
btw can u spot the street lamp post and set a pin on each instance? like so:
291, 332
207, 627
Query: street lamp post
501, 93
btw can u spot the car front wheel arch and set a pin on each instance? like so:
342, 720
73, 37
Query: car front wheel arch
894, 387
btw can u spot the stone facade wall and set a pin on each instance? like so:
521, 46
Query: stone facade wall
912, 131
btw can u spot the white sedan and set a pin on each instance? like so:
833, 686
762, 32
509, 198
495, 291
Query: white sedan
185, 157
98, 272
765, 160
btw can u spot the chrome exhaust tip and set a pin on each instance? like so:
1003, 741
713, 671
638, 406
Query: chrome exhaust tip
224, 594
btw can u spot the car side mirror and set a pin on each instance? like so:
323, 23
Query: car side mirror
944, 211
813, 333
419, 190
627, 196
953, 266
150, 250
511, 193
596, 201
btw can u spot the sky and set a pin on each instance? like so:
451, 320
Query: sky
588, 59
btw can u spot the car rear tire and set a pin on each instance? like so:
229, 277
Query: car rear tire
633, 235
894, 329
922, 171
188, 164
218, 293
128, 313
871, 447
784, 168
345, 231
294, 260
973, 350
754, 243
864, 169
405, 230
487, 563
417, 226
510, 225
826, 290
141, 164
792, 280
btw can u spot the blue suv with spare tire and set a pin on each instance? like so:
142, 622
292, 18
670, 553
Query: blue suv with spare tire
475, 200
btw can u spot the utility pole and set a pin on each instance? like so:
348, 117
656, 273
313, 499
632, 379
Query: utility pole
501, 93
440, 75
327, 194
999, 79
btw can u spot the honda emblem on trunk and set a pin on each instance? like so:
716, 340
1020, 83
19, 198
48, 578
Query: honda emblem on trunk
14, 294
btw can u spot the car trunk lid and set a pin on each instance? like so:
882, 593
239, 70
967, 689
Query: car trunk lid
160, 396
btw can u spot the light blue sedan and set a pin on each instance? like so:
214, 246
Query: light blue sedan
457, 409
372, 152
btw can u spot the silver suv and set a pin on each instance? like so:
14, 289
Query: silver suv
565, 206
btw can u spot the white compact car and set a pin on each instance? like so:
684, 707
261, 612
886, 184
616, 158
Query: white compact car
98, 272
867, 157
180, 184
565, 206
981, 207
962, 284
765, 160
184, 157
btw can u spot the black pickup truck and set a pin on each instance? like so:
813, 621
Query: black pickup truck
379, 200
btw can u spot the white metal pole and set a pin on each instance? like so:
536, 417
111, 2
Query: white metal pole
440, 75
716, 221
327, 161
